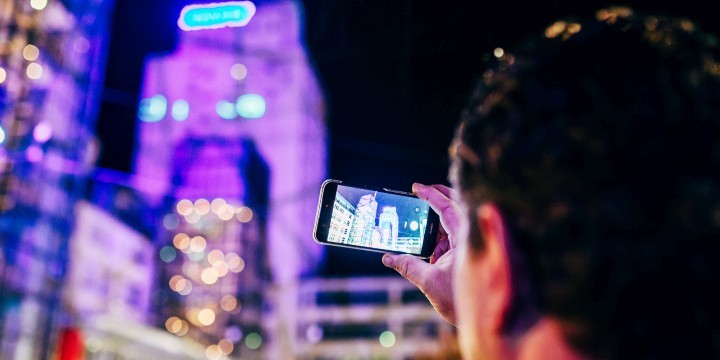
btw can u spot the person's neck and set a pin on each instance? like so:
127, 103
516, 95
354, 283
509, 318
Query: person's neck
545, 341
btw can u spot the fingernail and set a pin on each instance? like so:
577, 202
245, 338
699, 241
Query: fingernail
387, 260
416, 187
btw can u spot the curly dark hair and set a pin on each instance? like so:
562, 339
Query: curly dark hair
599, 143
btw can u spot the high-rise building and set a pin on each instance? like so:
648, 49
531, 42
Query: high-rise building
341, 220
52, 56
364, 220
388, 223
231, 143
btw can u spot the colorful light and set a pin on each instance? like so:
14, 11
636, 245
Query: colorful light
3, 75
213, 352
152, 109
201, 206
206, 317
226, 346
42, 132
34, 71
184, 207
226, 110
168, 254
387, 339
31, 52
250, 106
216, 15
2, 135
253, 341
238, 71
38, 4
209, 276
180, 110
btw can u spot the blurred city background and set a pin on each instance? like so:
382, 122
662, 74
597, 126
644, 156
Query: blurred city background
160, 164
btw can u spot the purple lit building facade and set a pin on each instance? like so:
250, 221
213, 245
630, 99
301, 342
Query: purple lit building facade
231, 143
52, 59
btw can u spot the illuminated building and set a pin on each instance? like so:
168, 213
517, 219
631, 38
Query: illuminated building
341, 221
388, 224
231, 143
364, 220
51, 61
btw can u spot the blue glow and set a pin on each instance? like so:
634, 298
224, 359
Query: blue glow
180, 110
216, 15
250, 106
152, 109
226, 110
2, 135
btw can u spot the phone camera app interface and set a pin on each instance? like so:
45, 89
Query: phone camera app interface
378, 220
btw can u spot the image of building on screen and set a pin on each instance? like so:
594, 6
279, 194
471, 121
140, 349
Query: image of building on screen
388, 224
365, 215
341, 220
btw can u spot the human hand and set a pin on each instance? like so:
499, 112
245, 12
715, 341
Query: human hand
435, 279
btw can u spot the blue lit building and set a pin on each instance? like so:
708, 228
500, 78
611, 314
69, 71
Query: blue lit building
49, 81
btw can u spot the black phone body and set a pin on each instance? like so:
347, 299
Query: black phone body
372, 219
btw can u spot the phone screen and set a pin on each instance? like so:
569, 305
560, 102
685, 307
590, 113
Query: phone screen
379, 220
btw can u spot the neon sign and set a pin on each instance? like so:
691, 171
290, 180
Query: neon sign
216, 15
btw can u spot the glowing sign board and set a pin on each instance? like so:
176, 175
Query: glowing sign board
216, 15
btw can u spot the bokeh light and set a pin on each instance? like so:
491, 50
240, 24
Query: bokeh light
34, 71
81, 45
209, 276
2, 135
3, 75
152, 109
173, 324
202, 206
168, 254
233, 333
171, 221
213, 352
180, 110
198, 244
250, 106
181, 241
498, 52
226, 110
244, 214
238, 71
184, 207
226, 346
196, 256
253, 340
34, 154
38, 4
193, 218
314, 333
221, 267
228, 303
206, 317
217, 205
235, 262
387, 339
215, 256
42, 132
31, 52
226, 213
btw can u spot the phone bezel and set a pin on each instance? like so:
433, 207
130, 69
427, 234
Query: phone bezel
324, 212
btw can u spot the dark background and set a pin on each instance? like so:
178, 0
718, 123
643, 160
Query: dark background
396, 76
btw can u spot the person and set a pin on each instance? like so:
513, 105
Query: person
584, 215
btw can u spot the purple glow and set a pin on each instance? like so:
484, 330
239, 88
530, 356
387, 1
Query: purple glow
42, 132
34, 154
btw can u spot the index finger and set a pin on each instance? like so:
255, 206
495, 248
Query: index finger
446, 207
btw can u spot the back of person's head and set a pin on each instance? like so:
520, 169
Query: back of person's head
600, 144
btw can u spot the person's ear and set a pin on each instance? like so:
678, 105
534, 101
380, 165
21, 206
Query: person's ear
496, 261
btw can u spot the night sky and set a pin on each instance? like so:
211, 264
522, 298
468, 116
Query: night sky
396, 76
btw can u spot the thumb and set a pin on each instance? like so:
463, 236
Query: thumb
410, 267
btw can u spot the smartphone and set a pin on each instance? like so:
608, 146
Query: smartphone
372, 219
